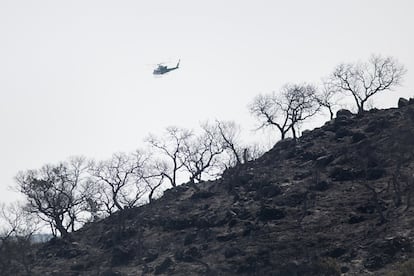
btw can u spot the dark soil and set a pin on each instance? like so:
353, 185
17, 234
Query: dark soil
323, 204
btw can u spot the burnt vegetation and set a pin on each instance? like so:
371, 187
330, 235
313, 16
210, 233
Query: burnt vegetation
331, 201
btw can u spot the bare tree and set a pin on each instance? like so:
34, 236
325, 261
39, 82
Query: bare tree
200, 154
300, 104
228, 133
235, 152
328, 97
15, 220
365, 79
286, 111
154, 177
55, 193
268, 109
253, 151
171, 146
17, 227
120, 180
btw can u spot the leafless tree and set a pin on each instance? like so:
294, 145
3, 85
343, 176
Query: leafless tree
300, 103
328, 97
171, 147
253, 151
200, 153
15, 220
17, 227
120, 181
286, 111
154, 176
55, 193
365, 79
268, 109
228, 134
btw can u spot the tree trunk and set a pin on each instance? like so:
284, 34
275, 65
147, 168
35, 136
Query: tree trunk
294, 133
116, 202
361, 107
282, 134
331, 112
59, 226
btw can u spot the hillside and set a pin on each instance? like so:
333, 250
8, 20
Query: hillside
336, 200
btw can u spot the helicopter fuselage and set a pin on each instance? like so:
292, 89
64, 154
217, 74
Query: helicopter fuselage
161, 69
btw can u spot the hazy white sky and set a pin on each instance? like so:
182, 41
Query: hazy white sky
76, 76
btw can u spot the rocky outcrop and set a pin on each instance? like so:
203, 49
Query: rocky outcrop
402, 102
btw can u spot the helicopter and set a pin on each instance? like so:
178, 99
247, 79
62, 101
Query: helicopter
162, 69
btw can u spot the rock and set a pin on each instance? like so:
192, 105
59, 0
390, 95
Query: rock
268, 192
110, 272
353, 219
241, 213
320, 186
377, 125
324, 160
271, 190
293, 199
285, 143
375, 173
226, 237
307, 155
358, 136
179, 256
336, 252
188, 255
366, 209
342, 132
344, 269
233, 223
178, 223
78, 267
383, 252
193, 251
306, 132
231, 252
343, 174
302, 174
163, 267
248, 229
268, 213
202, 195
69, 252
402, 102
393, 245
376, 262
241, 179
248, 266
152, 255
344, 112
411, 101
122, 255
343, 121
190, 238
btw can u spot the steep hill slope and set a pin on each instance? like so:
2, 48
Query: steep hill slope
337, 200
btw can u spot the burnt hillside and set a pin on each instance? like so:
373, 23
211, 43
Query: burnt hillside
336, 200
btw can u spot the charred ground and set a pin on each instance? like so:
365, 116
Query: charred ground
336, 200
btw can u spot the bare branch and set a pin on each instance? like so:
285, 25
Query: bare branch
364, 80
